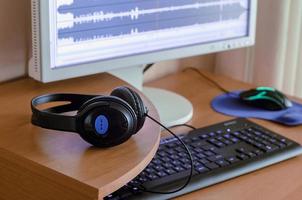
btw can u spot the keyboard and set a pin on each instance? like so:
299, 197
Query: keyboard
220, 152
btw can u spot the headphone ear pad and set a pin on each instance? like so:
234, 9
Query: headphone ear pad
118, 121
135, 101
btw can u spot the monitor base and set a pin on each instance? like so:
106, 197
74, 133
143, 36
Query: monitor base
173, 108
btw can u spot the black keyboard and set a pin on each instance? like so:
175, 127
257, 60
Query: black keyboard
220, 152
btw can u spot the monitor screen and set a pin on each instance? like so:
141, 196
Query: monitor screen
97, 30
72, 38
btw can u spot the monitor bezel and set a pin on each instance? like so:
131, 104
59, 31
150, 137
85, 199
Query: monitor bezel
47, 74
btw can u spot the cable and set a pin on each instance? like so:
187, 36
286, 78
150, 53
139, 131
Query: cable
208, 79
186, 125
189, 153
199, 72
147, 67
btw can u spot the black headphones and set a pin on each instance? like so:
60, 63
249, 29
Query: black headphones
103, 121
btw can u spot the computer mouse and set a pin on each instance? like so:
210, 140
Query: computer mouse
266, 97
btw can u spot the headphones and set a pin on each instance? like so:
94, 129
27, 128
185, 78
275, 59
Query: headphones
103, 121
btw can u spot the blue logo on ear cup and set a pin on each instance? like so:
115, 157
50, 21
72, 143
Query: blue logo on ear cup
101, 125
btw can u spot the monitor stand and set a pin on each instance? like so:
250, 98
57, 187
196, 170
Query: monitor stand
173, 108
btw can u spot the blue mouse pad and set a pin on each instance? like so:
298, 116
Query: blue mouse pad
230, 104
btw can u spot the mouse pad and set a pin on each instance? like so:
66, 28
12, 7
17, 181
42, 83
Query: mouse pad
230, 104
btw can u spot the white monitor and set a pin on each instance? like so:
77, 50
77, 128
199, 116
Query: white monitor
74, 38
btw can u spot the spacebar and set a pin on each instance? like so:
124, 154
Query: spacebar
168, 179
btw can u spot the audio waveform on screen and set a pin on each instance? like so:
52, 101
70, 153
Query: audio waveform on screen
82, 20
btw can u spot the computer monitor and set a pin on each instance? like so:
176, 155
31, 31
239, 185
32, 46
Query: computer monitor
74, 38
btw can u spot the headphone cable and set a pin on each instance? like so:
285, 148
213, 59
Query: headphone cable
189, 154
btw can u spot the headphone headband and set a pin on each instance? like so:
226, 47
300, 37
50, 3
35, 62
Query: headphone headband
52, 117
102, 121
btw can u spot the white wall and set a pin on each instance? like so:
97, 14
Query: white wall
14, 26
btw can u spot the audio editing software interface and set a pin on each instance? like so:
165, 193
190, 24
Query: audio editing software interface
92, 30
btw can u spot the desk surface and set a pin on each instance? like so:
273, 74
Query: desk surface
279, 182
282, 181
40, 164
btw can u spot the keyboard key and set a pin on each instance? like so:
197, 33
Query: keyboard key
185, 160
198, 150
199, 144
166, 159
243, 157
182, 154
214, 158
176, 162
203, 136
156, 161
232, 159
135, 190
187, 166
287, 142
152, 176
242, 150
212, 134
170, 151
196, 163
209, 153
201, 169
236, 133
167, 165
159, 168
259, 145
222, 163
162, 174
251, 154
201, 155
195, 157
134, 183
150, 170
111, 197
209, 147
258, 152
235, 140
243, 137
187, 140
211, 165
220, 138
194, 139
258, 133
171, 145
281, 145
162, 154
179, 149
220, 144
203, 161
270, 148
174, 157
227, 142
142, 179
179, 168
170, 171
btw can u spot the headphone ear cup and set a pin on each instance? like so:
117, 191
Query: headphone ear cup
106, 121
135, 101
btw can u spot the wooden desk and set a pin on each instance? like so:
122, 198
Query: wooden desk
19, 138
282, 181
40, 164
